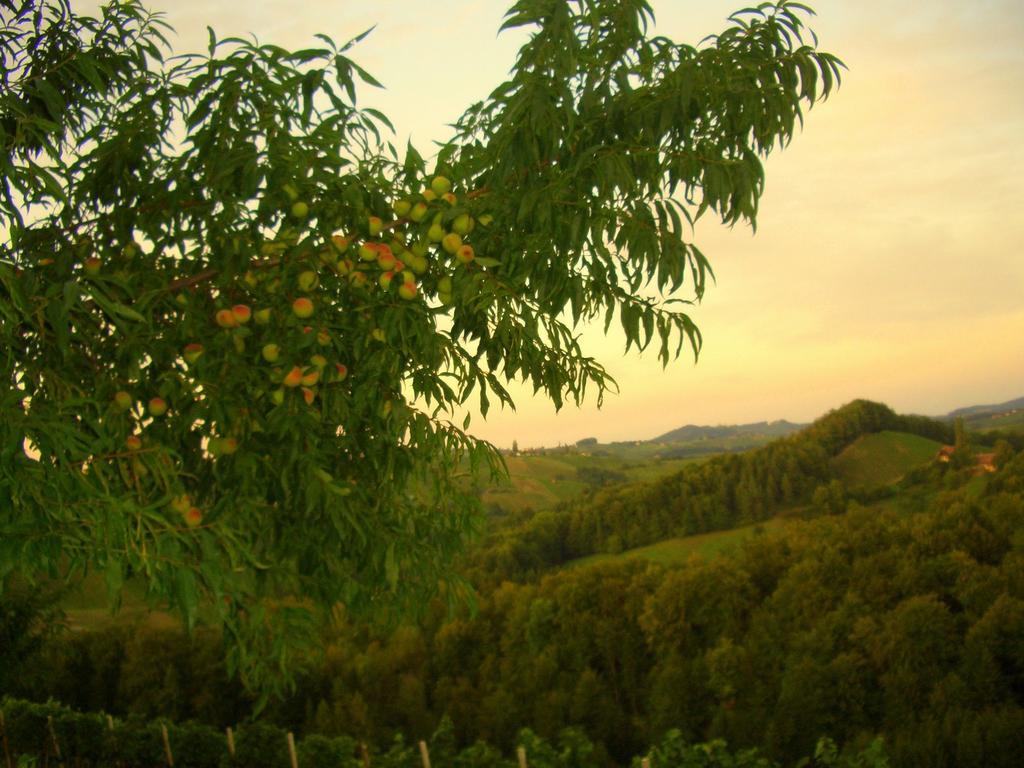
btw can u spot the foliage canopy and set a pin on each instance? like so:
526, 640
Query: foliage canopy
173, 408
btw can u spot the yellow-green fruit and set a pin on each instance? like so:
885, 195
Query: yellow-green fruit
291, 191
436, 233
418, 264
444, 285
261, 316
449, 198
123, 400
444, 298
192, 353
300, 210
401, 207
385, 280
407, 291
378, 334
452, 242
277, 396
181, 504
465, 254
307, 280
311, 378
157, 406
419, 248
319, 361
419, 212
368, 251
222, 446
462, 224
271, 352
440, 185
130, 250
429, 195
486, 219
376, 226
250, 279
386, 259
302, 307
239, 343
323, 337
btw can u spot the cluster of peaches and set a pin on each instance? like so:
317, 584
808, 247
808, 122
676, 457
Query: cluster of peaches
426, 238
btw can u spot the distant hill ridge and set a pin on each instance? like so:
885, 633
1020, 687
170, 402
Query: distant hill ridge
726, 491
976, 410
691, 432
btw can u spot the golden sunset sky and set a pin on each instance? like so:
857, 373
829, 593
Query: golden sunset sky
888, 258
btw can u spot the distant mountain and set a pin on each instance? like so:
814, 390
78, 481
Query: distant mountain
692, 432
976, 410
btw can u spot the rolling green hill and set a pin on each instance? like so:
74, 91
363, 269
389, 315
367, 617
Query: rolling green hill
882, 458
679, 550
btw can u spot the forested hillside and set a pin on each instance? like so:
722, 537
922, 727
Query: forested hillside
901, 619
728, 491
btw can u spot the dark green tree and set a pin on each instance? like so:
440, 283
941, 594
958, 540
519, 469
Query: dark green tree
217, 376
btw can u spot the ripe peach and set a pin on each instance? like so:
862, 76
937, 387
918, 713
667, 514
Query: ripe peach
452, 242
271, 352
133, 443
157, 406
123, 400
242, 313
193, 517
302, 307
92, 266
341, 372
465, 254
226, 319
418, 212
308, 395
293, 378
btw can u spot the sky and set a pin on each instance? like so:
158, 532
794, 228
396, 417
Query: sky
887, 262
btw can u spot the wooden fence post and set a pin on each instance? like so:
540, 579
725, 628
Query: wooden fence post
53, 738
521, 756
424, 754
167, 745
3, 737
291, 750
365, 754
231, 741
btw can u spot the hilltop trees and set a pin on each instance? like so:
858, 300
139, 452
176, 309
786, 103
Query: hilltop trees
236, 320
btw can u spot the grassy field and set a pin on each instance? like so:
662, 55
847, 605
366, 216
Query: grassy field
882, 458
540, 481
704, 545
